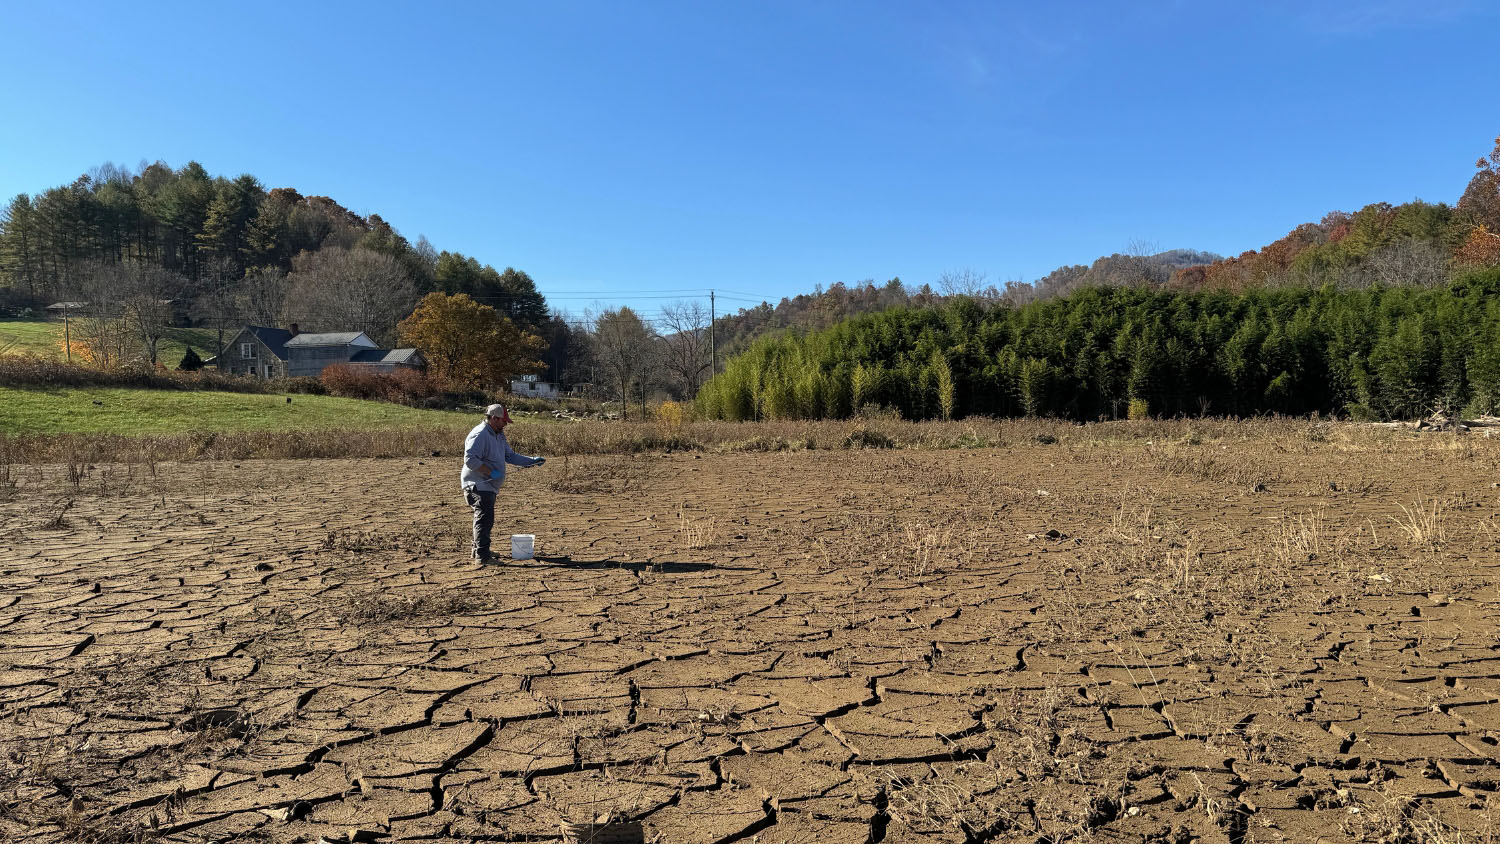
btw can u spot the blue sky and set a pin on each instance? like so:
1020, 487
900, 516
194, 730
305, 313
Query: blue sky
613, 150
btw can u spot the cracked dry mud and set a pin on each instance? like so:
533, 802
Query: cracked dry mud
1249, 641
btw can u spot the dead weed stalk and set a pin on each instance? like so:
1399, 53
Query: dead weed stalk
1299, 538
1424, 523
696, 533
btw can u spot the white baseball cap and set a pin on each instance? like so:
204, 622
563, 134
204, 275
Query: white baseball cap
495, 410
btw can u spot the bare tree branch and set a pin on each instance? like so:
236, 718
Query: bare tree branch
685, 346
339, 289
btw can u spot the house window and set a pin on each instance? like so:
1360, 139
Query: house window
247, 351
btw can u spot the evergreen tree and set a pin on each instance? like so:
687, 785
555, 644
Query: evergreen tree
190, 361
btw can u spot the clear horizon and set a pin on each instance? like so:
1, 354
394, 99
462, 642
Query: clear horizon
644, 153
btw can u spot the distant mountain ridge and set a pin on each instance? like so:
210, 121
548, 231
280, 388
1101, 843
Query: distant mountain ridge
1115, 270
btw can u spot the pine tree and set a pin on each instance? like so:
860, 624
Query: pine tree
20, 249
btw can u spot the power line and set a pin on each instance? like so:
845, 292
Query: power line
615, 295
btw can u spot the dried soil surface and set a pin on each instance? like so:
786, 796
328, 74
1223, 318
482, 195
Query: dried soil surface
1284, 639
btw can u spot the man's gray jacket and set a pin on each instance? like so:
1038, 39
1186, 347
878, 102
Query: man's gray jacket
485, 447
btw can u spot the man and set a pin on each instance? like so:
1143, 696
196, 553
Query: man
485, 454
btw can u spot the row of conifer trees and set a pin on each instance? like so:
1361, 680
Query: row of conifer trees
1375, 353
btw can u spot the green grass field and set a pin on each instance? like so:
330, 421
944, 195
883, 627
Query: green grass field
127, 411
30, 338
45, 339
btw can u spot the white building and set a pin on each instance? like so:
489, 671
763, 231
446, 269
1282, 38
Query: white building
527, 386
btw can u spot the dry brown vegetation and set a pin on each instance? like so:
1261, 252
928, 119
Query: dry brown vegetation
1157, 632
1174, 441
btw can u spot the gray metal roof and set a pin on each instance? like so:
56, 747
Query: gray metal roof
385, 356
340, 338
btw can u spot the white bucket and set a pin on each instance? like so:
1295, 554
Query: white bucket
522, 546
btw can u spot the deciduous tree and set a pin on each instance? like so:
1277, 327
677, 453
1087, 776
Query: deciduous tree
339, 289
685, 346
624, 347
1480, 203
1480, 249
469, 343
260, 298
149, 301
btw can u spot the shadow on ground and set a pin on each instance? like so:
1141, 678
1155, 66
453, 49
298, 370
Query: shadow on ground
665, 567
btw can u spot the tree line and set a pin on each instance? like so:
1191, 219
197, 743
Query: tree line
221, 252
157, 247
825, 307
1383, 313
163, 246
1108, 352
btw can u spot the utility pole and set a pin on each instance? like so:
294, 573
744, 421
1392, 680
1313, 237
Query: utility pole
713, 347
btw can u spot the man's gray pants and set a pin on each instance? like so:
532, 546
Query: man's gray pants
483, 504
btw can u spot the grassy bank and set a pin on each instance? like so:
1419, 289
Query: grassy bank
103, 410
45, 338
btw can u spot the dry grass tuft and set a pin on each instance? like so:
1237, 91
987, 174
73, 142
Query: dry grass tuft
922, 547
932, 805
1300, 538
696, 533
1214, 465
908, 548
1377, 813
9, 481
1424, 523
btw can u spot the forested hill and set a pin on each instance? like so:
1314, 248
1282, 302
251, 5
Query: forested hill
1116, 270
231, 251
1415, 243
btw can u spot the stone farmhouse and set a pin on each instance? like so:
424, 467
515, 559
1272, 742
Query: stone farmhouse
288, 353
